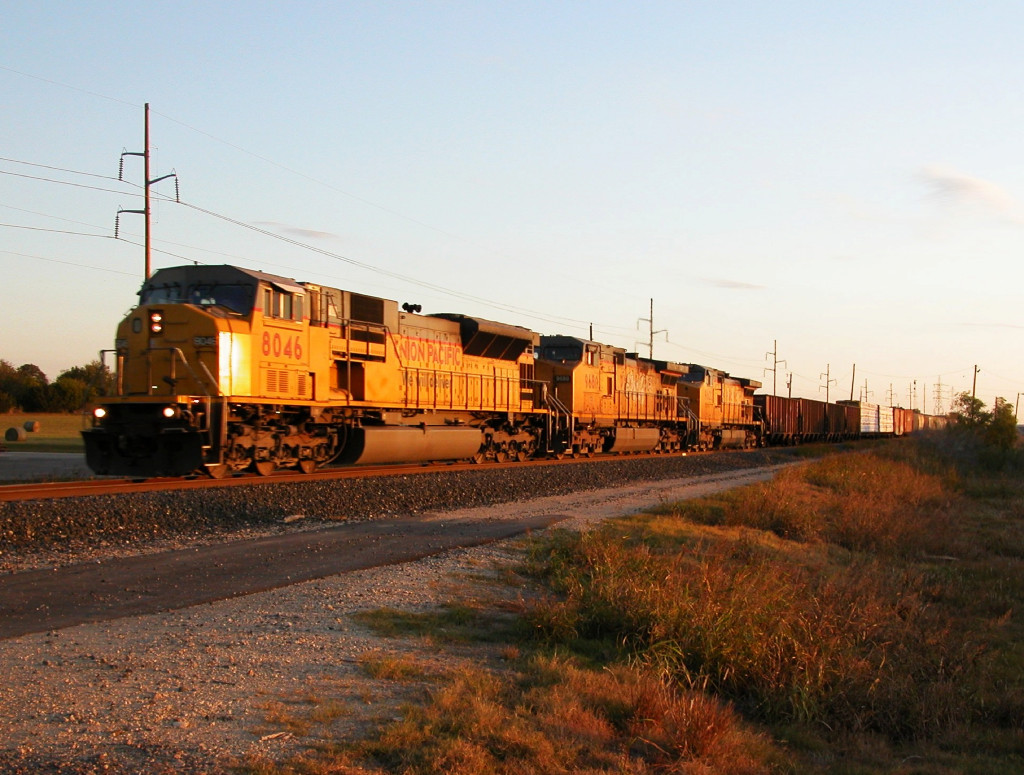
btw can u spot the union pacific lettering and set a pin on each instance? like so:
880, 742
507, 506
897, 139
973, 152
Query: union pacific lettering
429, 353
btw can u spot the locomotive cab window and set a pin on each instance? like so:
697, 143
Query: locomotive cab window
168, 293
282, 304
237, 298
562, 353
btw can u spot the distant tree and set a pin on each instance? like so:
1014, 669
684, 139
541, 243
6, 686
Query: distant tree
32, 375
1002, 428
9, 380
7, 402
96, 378
36, 397
67, 394
969, 412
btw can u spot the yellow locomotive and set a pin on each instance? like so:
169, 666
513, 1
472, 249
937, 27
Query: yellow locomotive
722, 408
607, 400
222, 368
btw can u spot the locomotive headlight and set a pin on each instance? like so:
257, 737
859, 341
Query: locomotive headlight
171, 412
156, 322
99, 412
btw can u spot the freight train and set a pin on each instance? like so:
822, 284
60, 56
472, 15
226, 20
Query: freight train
221, 369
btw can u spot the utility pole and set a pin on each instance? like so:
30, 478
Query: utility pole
1016, 406
974, 384
650, 322
775, 365
853, 380
828, 380
789, 384
147, 209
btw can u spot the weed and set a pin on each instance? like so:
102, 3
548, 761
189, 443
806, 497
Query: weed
392, 667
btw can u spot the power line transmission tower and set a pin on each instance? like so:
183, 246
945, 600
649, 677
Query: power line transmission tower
939, 407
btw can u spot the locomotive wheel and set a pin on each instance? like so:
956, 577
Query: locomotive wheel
264, 467
218, 471
307, 466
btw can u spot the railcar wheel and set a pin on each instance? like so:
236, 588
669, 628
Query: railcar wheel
218, 471
264, 467
307, 466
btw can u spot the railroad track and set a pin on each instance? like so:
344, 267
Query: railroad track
76, 489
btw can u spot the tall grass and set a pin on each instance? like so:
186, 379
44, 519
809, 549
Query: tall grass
806, 600
558, 718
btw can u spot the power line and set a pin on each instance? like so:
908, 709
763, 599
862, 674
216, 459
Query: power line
66, 86
67, 263
56, 231
57, 169
378, 270
65, 183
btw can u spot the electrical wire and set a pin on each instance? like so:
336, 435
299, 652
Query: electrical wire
66, 183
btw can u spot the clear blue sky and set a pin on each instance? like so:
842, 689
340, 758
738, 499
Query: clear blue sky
845, 179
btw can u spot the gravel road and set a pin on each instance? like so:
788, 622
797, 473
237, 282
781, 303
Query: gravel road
195, 689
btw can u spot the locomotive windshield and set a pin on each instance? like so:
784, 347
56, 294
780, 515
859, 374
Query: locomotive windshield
562, 353
235, 297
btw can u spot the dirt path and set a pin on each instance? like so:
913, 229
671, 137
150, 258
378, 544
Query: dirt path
37, 601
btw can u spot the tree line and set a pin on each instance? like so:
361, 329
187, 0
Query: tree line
25, 388
996, 429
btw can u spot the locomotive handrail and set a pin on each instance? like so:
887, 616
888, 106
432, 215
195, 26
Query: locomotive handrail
691, 416
556, 409
416, 381
177, 351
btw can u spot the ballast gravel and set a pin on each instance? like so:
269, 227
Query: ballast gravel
201, 689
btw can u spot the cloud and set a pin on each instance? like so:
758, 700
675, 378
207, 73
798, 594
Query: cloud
969, 192
296, 231
734, 285
993, 325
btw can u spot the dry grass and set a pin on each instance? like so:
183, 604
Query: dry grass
554, 717
855, 616
393, 667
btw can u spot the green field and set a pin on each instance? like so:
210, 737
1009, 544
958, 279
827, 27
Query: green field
57, 432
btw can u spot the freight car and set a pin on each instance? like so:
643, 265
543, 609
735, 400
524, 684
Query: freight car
221, 369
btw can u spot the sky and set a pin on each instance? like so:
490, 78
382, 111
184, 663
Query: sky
838, 187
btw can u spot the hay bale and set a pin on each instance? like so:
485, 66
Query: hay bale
15, 434
32, 426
